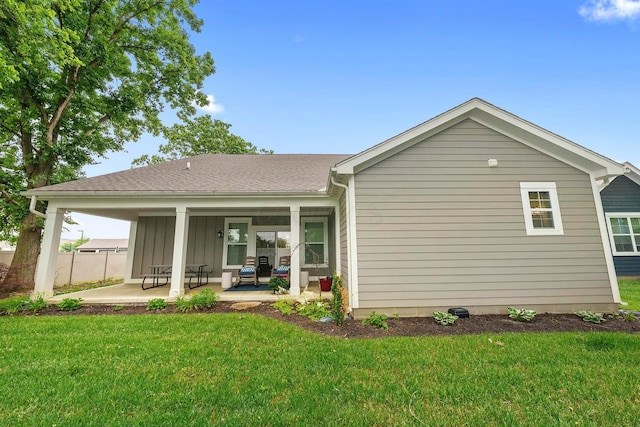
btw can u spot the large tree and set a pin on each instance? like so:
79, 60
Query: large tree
80, 78
201, 135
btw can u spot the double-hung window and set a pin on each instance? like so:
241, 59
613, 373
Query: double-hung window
541, 208
624, 232
314, 239
236, 240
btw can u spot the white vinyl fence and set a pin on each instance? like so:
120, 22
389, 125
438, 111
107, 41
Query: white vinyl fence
75, 267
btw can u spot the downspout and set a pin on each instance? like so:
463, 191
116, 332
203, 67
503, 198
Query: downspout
32, 208
347, 217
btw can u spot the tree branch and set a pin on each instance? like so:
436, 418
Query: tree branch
121, 27
8, 197
102, 120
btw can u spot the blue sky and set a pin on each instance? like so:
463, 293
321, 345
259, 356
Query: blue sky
341, 76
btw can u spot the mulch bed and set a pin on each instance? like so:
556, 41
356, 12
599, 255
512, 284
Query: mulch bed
410, 326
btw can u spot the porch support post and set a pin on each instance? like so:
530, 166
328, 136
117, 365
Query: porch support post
131, 250
296, 251
47, 262
179, 252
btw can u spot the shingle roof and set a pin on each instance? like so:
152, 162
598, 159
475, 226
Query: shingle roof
214, 173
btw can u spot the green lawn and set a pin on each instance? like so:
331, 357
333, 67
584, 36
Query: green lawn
630, 293
243, 369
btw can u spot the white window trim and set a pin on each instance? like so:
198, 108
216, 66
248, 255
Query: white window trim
525, 188
324, 221
247, 220
627, 215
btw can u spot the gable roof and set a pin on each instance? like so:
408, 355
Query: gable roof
631, 172
207, 174
497, 119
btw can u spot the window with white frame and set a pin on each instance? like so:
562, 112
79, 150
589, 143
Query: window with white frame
624, 232
314, 241
236, 240
541, 208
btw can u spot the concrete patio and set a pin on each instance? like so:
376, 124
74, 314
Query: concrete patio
132, 293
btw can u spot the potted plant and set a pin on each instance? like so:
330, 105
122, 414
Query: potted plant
279, 285
325, 283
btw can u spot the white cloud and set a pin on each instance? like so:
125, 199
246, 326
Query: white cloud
610, 10
212, 108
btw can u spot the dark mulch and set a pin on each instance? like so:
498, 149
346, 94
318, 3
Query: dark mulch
412, 326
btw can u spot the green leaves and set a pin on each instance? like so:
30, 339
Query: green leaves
201, 135
80, 78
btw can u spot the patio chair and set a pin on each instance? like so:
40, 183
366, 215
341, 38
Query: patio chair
248, 273
264, 268
282, 270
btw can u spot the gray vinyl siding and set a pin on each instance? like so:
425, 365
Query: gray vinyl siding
436, 227
623, 195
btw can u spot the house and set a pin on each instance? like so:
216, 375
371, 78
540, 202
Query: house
621, 202
104, 245
473, 208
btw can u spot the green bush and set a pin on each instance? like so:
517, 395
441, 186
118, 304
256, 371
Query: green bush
36, 304
156, 304
628, 316
444, 319
589, 316
275, 283
285, 306
378, 321
117, 307
521, 314
314, 310
183, 304
13, 305
70, 304
204, 299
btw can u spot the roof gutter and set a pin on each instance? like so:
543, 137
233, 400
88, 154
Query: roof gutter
32, 208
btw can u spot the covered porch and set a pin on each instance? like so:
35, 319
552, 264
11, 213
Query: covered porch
215, 234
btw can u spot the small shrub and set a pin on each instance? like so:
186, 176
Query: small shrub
278, 283
204, 299
36, 304
70, 304
521, 314
285, 306
628, 316
184, 304
378, 321
444, 319
118, 307
156, 304
338, 306
314, 310
13, 305
589, 316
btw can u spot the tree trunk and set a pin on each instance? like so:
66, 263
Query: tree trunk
21, 275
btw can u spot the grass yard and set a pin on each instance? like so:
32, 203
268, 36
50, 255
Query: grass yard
630, 293
243, 369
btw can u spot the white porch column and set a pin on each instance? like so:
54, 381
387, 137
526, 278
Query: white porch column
47, 262
131, 249
179, 252
296, 252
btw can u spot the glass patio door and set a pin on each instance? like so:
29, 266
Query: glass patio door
273, 244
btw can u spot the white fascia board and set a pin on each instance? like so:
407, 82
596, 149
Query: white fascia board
72, 203
499, 120
633, 172
399, 142
547, 142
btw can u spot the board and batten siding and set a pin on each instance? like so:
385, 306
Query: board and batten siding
623, 195
154, 243
438, 228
